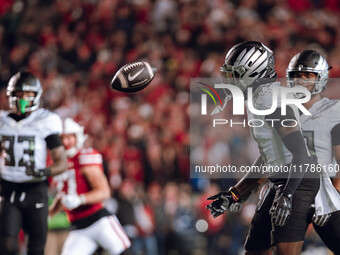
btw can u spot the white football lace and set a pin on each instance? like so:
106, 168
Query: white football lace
133, 65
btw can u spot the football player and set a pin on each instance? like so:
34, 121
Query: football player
281, 217
82, 189
322, 133
26, 132
310, 69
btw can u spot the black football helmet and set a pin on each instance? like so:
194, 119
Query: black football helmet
24, 81
248, 62
309, 61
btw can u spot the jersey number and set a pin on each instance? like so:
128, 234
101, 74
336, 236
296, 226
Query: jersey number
309, 137
69, 178
8, 145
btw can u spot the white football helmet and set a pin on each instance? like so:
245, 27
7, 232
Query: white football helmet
72, 127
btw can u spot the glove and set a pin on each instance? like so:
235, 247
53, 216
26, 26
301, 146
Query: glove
281, 208
321, 220
31, 171
236, 207
222, 201
38, 172
73, 201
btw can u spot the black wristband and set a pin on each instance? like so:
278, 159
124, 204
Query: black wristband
234, 193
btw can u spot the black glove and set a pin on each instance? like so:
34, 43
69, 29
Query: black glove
31, 171
222, 202
236, 207
281, 208
321, 220
39, 172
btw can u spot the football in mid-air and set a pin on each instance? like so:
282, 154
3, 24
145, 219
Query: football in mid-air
133, 77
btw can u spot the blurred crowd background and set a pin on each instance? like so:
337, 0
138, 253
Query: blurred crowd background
76, 46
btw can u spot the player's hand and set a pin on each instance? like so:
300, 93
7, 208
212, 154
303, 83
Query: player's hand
73, 201
222, 201
236, 207
281, 208
321, 220
38, 172
32, 171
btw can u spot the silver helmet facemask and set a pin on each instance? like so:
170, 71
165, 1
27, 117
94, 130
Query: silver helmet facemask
24, 82
309, 61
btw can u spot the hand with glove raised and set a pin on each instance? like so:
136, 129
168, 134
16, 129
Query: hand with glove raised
222, 201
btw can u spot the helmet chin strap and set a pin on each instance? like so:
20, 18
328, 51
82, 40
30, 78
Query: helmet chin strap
71, 152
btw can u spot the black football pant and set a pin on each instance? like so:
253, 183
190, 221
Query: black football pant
24, 205
263, 234
330, 233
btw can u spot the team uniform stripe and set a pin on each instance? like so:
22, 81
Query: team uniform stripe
126, 238
122, 230
90, 159
119, 232
116, 232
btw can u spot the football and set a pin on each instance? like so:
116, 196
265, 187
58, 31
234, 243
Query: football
133, 77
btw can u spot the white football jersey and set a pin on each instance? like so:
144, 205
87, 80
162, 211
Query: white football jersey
25, 141
270, 144
317, 131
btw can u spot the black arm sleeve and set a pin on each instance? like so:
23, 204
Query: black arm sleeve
276, 115
53, 141
335, 135
295, 143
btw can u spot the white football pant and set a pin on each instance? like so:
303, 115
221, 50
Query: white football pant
106, 233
